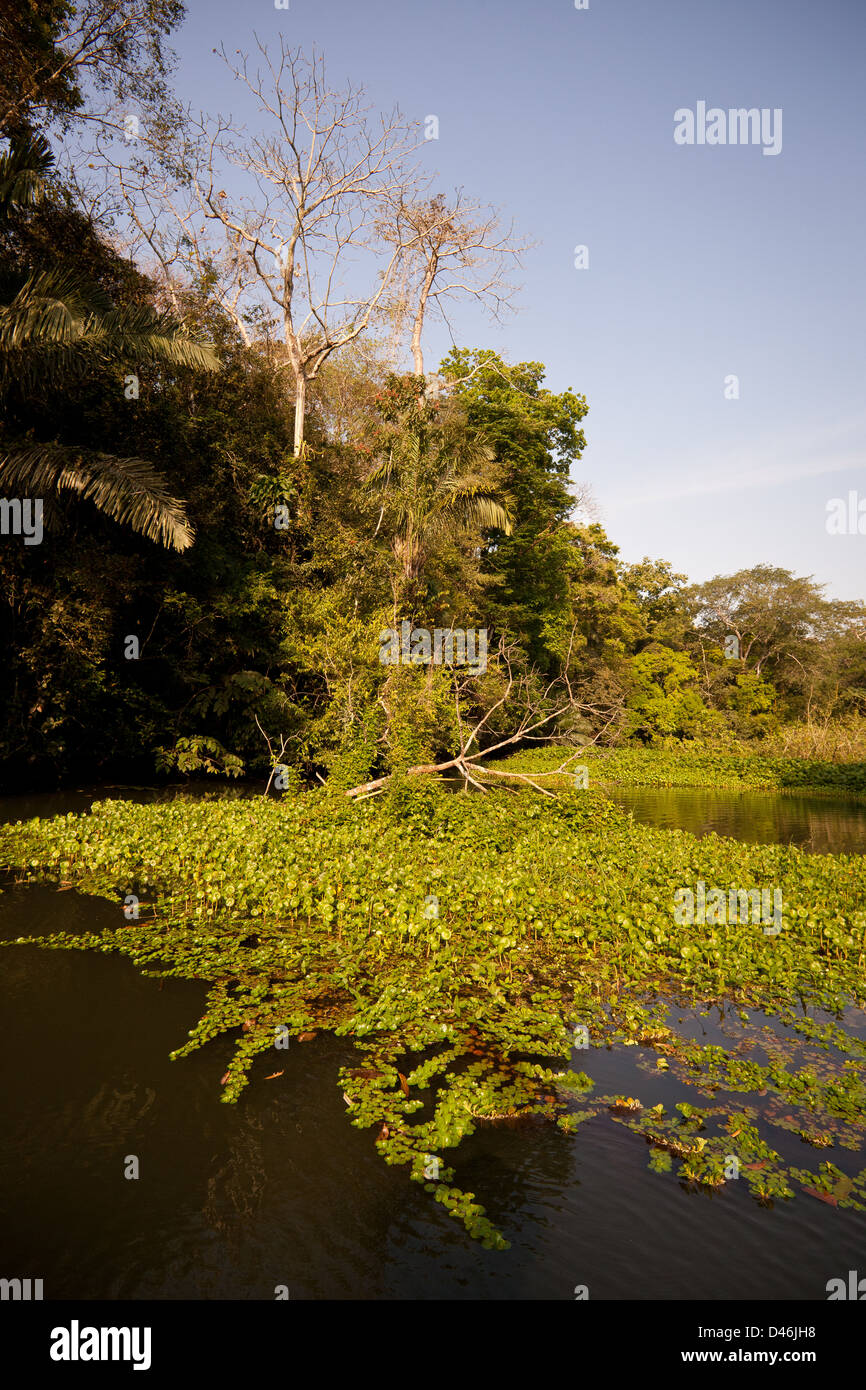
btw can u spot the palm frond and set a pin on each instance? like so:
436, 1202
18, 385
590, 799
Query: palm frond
51, 308
467, 500
129, 490
433, 475
380, 474
136, 332
59, 323
24, 167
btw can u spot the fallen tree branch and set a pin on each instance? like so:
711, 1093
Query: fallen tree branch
466, 764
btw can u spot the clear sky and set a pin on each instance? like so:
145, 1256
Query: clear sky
705, 261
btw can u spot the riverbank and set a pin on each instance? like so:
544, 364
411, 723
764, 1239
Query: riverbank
698, 767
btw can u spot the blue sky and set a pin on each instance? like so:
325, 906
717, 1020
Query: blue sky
704, 261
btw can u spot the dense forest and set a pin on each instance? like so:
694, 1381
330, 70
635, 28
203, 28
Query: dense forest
212, 585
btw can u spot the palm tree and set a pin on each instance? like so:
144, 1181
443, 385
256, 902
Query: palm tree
428, 475
55, 328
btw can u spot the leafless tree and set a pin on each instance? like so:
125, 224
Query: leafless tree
283, 224
448, 250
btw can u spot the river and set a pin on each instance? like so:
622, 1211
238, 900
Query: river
233, 1201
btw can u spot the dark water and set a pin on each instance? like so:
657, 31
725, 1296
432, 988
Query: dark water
281, 1190
57, 803
819, 824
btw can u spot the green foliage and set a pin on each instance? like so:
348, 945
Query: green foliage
699, 766
664, 698
61, 62
56, 326
421, 715
751, 698
24, 170
199, 754
661, 599
431, 473
537, 436
785, 630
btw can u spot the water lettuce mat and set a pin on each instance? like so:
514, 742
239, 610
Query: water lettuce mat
476, 949
702, 768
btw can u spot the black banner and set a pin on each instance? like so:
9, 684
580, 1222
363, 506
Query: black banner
236, 1338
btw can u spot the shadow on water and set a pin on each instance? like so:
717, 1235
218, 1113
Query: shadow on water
280, 1189
26, 805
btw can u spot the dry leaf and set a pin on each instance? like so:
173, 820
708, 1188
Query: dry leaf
822, 1196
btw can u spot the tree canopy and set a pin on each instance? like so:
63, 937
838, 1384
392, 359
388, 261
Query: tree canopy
209, 597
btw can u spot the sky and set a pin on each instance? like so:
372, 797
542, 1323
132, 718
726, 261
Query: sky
706, 261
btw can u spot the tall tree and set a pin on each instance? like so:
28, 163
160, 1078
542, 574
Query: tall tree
281, 257
661, 599
431, 471
449, 250
777, 618
537, 436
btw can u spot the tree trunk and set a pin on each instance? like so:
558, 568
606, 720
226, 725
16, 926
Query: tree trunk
300, 408
418, 324
417, 354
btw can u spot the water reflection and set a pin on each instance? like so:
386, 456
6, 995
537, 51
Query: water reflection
822, 825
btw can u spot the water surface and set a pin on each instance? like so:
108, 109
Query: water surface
820, 824
280, 1189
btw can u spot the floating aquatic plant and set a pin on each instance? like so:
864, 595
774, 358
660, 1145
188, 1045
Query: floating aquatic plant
551, 916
